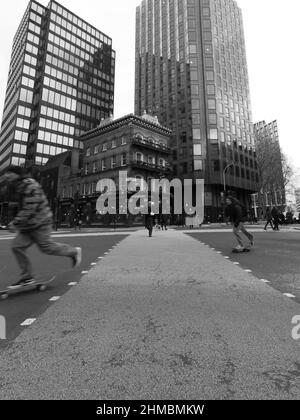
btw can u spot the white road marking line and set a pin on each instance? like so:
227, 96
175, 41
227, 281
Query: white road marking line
54, 299
100, 258
72, 283
84, 272
219, 252
236, 263
227, 258
93, 264
289, 295
28, 322
265, 281
248, 271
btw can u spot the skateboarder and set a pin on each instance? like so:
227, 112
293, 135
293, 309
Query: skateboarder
33, 224
234, 212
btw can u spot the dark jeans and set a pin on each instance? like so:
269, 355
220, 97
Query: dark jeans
150, 229
236, 232
41, 237
271, 224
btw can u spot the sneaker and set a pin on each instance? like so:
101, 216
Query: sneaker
76, 260
239, 248
252, 241
22, 283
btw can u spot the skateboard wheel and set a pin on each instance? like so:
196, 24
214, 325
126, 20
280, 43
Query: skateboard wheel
4, 296
42, 288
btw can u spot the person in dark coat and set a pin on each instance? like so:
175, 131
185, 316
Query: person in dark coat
164, 221
234, 212
275, 215
149, 220
269, 219
33, 224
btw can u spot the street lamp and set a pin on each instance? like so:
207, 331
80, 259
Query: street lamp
224, 175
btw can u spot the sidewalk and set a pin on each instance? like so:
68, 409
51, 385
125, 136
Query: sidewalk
159, 318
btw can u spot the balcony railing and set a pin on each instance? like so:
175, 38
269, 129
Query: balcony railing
150, 144
150, 166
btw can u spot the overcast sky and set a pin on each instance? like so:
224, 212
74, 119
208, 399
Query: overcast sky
272, 33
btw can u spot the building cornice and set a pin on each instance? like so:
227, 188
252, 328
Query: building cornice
123, 121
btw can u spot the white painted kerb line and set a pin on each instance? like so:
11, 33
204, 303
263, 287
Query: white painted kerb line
289, 295
28, 322
54, 299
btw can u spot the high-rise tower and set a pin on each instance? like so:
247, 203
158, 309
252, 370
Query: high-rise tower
60, 84
191, 72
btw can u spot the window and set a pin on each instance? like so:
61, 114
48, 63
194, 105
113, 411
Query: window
210, 76
216, 165
211, 103
212, 118
198, 165
139, 157
213, 134
162, 162
104, 148
211, 89
88, 152
197, 150
196, 134
103, 164
113, 161
124, 159
113, 144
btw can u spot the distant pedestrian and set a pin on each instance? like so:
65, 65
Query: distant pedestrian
78, 219
164, 222
275, 216
269, 219
149, 220
33, 224
234, 212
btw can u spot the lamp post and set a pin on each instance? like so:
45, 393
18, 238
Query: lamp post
224, 182
224, 175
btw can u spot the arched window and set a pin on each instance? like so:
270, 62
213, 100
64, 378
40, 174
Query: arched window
162, 162
139, 157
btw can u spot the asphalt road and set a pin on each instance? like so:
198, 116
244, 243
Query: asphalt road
30, 304
275, 256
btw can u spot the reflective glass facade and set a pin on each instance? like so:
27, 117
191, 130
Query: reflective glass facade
60, 84
191, 72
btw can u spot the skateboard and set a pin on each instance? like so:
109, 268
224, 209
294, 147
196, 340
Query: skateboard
237, 251
40, 284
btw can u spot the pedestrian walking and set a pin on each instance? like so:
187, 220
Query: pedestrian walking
149, 220
269, 219
33, 224
164, 222
235, 213
275, 216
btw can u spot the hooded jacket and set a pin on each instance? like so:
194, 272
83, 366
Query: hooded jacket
234, 211
34, 210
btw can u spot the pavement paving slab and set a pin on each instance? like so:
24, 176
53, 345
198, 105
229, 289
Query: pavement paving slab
159, 318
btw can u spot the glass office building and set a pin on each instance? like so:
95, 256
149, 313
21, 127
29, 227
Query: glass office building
191, 72
60, 84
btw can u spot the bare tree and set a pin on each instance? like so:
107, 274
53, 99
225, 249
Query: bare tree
275, 171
